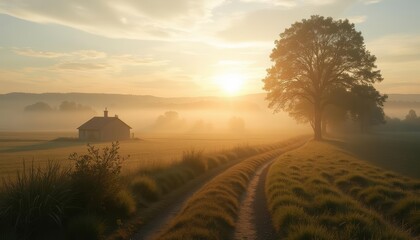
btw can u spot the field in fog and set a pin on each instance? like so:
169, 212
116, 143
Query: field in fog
151, 149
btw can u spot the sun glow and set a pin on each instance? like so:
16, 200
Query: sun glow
230, 83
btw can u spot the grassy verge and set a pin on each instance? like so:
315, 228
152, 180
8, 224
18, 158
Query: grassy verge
93, 199
321, 192
211, 212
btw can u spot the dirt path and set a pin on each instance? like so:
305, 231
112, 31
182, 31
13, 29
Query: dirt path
254, 220
175, 201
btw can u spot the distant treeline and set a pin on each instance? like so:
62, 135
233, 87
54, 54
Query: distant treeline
65, 106
411, 122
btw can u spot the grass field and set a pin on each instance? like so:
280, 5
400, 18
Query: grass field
95, 194
323, 192
150, 150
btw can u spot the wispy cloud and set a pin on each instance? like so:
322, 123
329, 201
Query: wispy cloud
90, 59
38, 54
292, 3
266, 23
234, 63
368, 2
135, 19
77, 66
357, 19
166, 84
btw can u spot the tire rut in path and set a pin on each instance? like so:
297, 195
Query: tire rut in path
254, 219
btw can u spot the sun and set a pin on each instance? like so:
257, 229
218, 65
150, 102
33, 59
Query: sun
230, 83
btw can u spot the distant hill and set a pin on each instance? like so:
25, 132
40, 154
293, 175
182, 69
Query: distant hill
125, 101
404, 97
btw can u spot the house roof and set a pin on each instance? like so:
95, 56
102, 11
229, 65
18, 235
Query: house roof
97, 123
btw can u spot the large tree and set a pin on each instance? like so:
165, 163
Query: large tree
313, 57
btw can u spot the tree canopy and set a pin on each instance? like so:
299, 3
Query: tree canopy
311, 59
366, 106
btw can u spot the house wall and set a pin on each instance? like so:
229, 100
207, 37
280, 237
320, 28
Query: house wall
89, 135
115, 131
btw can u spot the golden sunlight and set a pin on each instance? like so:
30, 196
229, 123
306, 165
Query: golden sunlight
230, 83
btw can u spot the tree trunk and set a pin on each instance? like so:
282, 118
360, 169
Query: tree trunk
324, 126
361, 126
318, 122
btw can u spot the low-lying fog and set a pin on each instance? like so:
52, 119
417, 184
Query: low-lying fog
154, 120
148, 114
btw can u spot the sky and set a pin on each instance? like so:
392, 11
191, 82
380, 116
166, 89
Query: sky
184, 48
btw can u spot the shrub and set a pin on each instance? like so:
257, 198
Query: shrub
36, 201
121, 204
194, 159
146, 187
85, 227
96, 176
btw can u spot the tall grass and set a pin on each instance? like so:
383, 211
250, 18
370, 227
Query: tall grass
194, 159
322, 187
36, 201
42, 203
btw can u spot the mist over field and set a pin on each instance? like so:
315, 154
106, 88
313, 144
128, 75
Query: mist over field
145, 113
192, 115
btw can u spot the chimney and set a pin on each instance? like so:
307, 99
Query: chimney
106, 113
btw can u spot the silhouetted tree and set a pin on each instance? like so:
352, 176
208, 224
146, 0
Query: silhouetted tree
367, 106
170, 120
39, 106
311, 58
411, 116
72, 106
